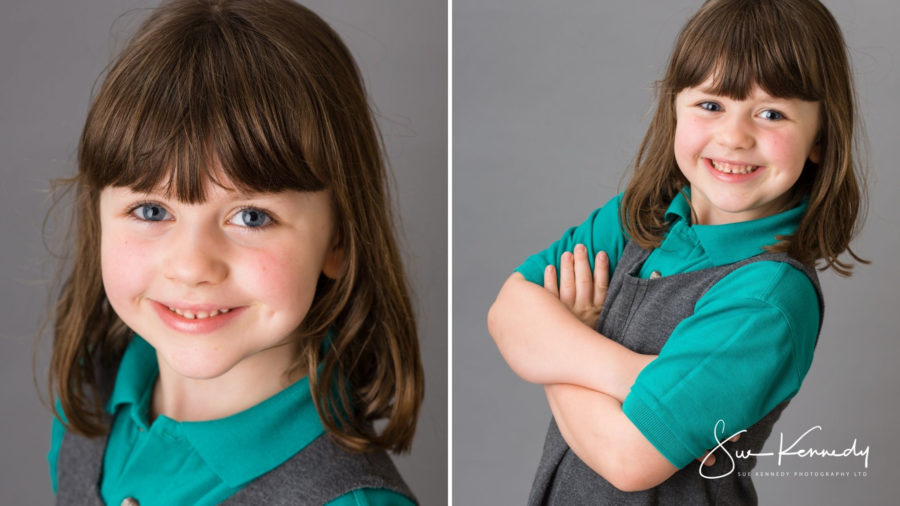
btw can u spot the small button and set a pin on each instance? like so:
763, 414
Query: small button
130, 501
655, 274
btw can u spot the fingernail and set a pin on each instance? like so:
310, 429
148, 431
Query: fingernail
580, 247
548, 268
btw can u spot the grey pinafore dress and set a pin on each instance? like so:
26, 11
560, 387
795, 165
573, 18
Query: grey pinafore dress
641, 314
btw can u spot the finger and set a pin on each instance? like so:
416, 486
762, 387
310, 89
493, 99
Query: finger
550, 280
601, 278
583, 278
735, 438
567, 279
708, 459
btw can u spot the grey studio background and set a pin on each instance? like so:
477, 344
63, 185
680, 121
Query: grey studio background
51, 54
550, 102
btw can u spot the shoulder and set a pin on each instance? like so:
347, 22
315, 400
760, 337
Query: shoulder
615, 203
601, 230
371, 497
606, 216
772, 282
610, 213
775, 292
600, 223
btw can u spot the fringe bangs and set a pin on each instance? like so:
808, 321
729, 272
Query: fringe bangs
199, 104
752, 42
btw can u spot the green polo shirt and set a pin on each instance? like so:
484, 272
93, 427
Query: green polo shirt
170, 462
746, 348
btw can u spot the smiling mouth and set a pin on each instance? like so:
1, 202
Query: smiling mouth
731, 168
198, 315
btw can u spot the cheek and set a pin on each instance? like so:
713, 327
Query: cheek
786, 150
689, 138
689, 131
126, 267
282, 277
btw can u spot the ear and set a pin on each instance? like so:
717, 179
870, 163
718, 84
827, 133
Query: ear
815, 154
334, 261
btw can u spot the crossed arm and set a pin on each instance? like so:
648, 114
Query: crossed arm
546, 336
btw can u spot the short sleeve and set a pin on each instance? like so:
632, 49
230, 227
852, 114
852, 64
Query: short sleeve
601, 231
371, 497
746, 349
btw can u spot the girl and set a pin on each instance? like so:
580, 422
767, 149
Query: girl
237, 316
744, 181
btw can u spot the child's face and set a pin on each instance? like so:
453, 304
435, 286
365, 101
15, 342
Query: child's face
742, 156
258, 257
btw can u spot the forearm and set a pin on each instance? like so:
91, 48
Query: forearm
543, 342
596, 429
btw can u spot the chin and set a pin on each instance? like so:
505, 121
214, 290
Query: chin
734, 208
199, 365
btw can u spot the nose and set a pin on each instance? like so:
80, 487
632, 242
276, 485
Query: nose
195, 257
736, 132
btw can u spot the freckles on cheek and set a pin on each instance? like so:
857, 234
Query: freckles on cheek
285, 279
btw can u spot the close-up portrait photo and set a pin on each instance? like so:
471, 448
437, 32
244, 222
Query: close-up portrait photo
224, 273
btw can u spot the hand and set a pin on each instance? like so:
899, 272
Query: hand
580, 290
710, 460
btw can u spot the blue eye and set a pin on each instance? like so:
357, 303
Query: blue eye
252, 218
150, 212
771, 115
710, 106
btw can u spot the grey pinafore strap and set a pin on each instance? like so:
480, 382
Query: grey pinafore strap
78, 470
80, 460
320, 472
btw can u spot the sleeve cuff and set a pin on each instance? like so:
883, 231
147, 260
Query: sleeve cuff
663, 437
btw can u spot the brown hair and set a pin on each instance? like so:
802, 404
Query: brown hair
791, 49
266, 88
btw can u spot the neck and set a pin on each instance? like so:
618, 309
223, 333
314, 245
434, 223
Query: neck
248, 383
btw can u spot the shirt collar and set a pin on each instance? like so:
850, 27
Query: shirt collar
726, 244
134, 382
246, 445
238, 448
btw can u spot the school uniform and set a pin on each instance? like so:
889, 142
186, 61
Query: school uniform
734, 327
276, 452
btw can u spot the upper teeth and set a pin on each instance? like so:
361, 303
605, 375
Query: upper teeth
190, 315
732, 168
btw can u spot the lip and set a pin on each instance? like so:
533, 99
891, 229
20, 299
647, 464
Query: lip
731, 178
195, 326
194, 308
